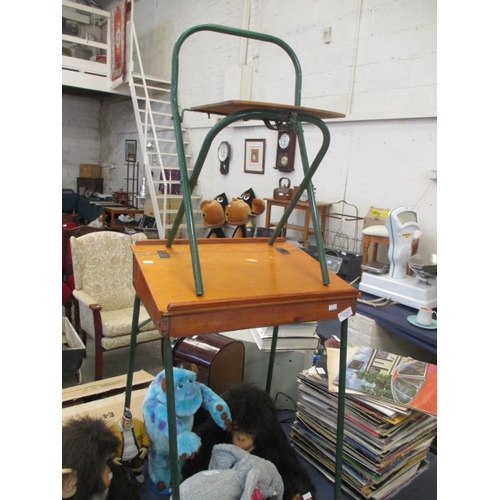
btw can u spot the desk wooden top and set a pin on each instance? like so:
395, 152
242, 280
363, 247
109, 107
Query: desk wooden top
229, 107
247, 283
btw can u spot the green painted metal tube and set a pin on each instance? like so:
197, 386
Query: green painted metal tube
339, 450
307, 184
254, 114
272, 355
233, 32
131, 353
312, 199
172, 428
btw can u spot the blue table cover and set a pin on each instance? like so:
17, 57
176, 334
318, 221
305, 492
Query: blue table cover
69, 200
395, 319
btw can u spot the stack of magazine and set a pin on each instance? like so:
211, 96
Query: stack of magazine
390, 420
291, 337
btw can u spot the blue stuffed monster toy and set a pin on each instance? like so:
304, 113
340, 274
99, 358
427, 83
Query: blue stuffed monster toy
190, 395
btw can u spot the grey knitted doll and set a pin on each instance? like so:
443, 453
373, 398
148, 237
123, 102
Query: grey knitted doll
233, 474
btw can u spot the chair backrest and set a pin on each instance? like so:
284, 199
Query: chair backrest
76, 232
102, 267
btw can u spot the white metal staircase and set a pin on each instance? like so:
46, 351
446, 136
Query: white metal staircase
152, 108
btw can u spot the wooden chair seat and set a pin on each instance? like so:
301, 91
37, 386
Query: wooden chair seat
379, 235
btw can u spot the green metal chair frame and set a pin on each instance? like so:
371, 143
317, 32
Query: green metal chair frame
285, 120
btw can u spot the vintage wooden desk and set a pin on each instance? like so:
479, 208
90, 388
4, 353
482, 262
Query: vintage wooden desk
250, 283
246, 283
306, 207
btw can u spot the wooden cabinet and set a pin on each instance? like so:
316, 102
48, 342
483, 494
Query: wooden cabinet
84, 184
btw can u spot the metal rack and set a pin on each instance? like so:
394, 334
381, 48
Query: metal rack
340, 239
132, 179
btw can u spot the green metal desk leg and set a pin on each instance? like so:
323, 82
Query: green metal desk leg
131, 353
272, 355
169, 380
341, 410
172, 428
133, 343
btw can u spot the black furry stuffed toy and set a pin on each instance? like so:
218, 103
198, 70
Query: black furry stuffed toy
257, 429
88, 447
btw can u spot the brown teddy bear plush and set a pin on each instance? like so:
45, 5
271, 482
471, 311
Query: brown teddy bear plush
213, 213
239, 210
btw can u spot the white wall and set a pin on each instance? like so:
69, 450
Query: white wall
381, 59
80, 136
94, 131
373, 163
379, 69
117, 125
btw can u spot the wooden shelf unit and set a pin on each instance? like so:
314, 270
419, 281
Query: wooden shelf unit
322, 209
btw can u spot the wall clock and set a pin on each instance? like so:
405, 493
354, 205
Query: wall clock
224, 155
285, 154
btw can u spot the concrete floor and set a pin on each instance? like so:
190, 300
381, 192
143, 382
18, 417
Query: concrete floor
147, 357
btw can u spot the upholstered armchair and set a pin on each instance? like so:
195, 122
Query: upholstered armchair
68, 278
102, 269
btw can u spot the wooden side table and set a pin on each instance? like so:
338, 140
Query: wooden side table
116, 211
306, 230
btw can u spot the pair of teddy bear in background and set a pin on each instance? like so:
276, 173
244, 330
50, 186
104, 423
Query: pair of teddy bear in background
215, 213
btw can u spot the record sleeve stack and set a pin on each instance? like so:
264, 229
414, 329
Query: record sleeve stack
294, 336
385, 443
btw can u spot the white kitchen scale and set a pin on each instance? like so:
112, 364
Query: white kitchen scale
412, 291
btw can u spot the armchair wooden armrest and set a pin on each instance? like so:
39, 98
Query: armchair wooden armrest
86, 299
96, 312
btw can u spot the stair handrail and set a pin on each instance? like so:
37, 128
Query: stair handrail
148, 124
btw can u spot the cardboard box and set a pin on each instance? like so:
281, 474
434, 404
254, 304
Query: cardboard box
90, 171
106, 398
376, 217
73, 349
76, 395
110, 409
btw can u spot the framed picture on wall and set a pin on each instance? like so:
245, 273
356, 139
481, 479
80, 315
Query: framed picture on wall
130, 150
255, 155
